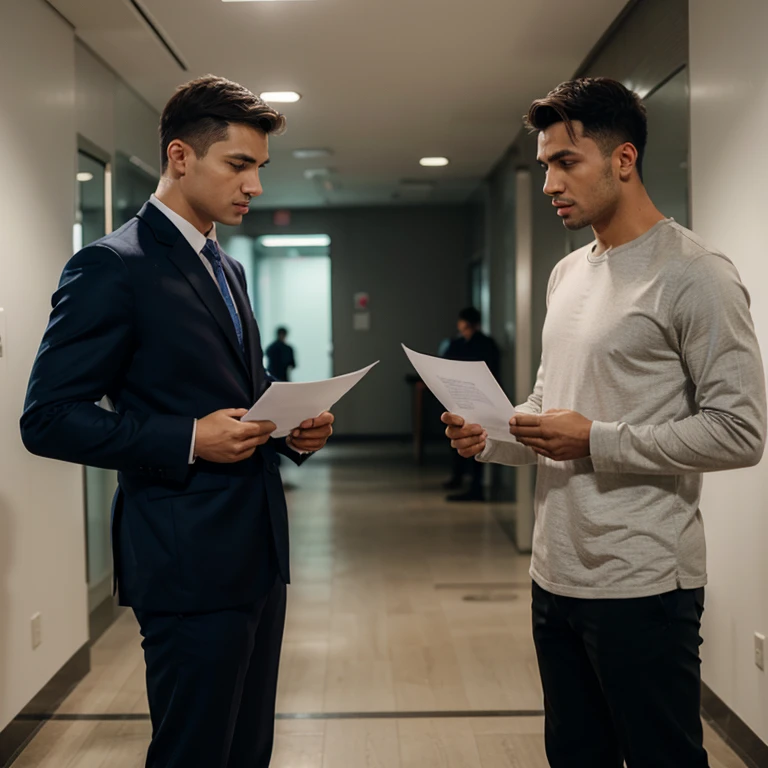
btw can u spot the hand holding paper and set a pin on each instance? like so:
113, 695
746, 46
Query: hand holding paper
468, 390
468, 439
289, 404
312, 434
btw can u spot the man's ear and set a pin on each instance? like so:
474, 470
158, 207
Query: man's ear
626, 156
178, 157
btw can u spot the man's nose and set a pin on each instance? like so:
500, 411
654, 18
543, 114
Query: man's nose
553, 184
252, 185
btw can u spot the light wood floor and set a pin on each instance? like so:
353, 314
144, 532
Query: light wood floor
401, 605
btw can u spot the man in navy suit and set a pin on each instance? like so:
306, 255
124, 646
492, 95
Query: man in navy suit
156, 317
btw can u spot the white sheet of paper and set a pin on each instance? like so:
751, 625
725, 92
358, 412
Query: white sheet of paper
468, 390
289, 403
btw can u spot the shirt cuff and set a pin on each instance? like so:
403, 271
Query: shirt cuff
604, 448
485, 455
192, 456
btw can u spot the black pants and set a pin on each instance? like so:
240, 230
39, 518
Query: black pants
211, 682
621, 680
460, 466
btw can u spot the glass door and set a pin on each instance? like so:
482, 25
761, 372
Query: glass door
93, 221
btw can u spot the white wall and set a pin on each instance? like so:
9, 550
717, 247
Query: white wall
42, 558
136, 126
729, 115
95, 102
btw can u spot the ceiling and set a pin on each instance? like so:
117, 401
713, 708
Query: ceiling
384, 82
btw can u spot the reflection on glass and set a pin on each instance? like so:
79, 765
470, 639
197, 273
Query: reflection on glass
134, 183
666, 157
91, 200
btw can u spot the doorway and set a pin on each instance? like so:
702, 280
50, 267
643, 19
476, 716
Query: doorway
93, 220
289, 279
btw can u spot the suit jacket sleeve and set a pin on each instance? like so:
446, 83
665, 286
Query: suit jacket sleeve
86, 350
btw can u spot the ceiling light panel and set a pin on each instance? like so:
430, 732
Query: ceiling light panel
311, 154
280, 97
294, 241
434, 162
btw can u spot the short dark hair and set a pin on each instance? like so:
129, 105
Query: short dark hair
470, 315
610, 113
201, 111
283, 331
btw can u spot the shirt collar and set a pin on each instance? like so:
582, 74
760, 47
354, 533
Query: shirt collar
191, 233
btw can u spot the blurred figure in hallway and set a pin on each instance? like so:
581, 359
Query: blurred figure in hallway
470, 345
280, 357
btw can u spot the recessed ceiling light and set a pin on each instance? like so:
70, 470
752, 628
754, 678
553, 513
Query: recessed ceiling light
311, 154
295, 241
84, 176
433, 162
313, 173
280, 97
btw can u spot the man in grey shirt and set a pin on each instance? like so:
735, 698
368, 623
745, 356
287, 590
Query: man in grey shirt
650, 375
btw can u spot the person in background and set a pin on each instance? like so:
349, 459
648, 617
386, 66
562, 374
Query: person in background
470, 345
280, 357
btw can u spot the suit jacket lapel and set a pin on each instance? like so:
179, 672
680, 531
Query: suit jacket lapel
184, 258
189, 264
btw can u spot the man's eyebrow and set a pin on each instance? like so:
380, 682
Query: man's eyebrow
242, 156
557, 156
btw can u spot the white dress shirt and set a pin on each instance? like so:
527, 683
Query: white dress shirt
194, 237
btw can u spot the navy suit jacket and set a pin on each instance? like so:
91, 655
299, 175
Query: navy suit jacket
138, 318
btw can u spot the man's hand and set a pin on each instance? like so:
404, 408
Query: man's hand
222, 438
558, 435
468, 439
313, 434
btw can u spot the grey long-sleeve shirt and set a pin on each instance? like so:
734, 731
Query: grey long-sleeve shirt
653, 341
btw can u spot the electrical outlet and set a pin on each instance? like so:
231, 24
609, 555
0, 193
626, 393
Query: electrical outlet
37, 631
760, 650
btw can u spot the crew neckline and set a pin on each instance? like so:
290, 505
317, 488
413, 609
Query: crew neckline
626, 246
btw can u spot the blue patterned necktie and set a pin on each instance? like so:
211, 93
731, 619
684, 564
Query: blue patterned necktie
212, 253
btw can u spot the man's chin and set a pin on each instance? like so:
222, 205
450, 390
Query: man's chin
231, 219
574, 225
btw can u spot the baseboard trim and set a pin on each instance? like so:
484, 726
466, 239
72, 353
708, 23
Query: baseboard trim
102, 617
20, 731
732, 729
98, 593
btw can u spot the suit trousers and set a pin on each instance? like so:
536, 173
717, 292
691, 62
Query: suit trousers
622, 680
212, 682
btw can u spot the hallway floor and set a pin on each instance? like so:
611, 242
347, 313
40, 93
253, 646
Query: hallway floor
407, 644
